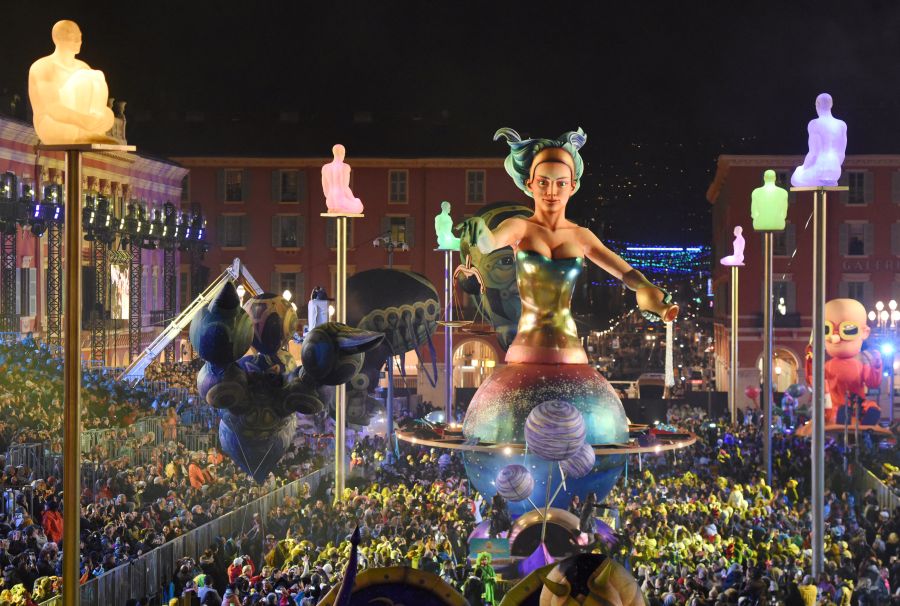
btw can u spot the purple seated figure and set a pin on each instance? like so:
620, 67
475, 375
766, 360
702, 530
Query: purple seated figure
827, 145
736, 259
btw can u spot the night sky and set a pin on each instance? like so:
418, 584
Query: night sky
661, 88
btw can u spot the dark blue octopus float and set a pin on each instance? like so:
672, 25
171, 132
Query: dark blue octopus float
401, 305
262, 391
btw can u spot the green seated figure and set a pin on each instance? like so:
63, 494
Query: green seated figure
443, 227
769, 205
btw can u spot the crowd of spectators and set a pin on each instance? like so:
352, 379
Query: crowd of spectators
128, 508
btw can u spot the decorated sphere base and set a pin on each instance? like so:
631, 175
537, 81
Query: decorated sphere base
497, 415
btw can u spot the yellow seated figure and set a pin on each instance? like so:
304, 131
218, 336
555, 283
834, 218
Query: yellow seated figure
68, 98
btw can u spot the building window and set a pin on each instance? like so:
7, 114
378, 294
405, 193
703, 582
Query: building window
856, 290
784, 242
26, 286
331, 233
398, 229
234, 185
783, 297
783, 180
856, 239
856, 180
234, 230
474, 186
398, 186
291, 186
292, 281
287, 231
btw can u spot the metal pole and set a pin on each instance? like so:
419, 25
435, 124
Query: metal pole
448, 337
733, 370
818, 368
340, 420
767, 357
72, 397
389, 411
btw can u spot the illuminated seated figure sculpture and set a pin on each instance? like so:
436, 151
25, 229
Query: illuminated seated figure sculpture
769, 205
336, 185
68, 98
443, 227
736, 259
827, 145
546, 361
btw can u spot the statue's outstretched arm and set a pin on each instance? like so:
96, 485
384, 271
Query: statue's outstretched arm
475, 231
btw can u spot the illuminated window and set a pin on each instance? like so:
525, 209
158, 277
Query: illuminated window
398, 229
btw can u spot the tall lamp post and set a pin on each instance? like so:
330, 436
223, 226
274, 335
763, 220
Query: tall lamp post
734, 261
768, 209
886, 329
387, 242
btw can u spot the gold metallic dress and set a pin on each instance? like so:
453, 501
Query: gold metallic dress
547, 333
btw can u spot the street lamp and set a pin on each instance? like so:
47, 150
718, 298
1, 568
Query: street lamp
886, 330
385, 240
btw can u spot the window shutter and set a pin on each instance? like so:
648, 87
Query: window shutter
275, 283
895, 239
32, 291
220, 185
276, 232
276, 186
842, 238
220, 231
895, 187
385, 226
790, 239
350, 231
868, 293
844, 196
245, 185
842, 289
299, 291
301, 231
869, 187
790, 296
410, 231
245, 230
302, 193
331, 233
869, 234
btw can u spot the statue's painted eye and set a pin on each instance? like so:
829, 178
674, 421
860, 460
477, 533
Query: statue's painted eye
849, 330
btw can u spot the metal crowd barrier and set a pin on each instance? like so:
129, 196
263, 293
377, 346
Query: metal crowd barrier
148, 575
865, 480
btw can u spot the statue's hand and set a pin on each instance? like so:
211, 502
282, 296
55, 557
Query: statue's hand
468, 232
656, 304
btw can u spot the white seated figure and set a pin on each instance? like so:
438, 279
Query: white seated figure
336, 185
68, 98
827, 145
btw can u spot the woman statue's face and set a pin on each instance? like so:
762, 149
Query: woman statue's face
552, 186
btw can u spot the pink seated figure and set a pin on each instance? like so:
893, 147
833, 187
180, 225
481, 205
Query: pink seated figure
336, 185
827, 145
737, 258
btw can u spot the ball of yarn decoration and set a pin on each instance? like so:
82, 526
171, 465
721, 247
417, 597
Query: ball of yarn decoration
579, 464
514, 483
554, 430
